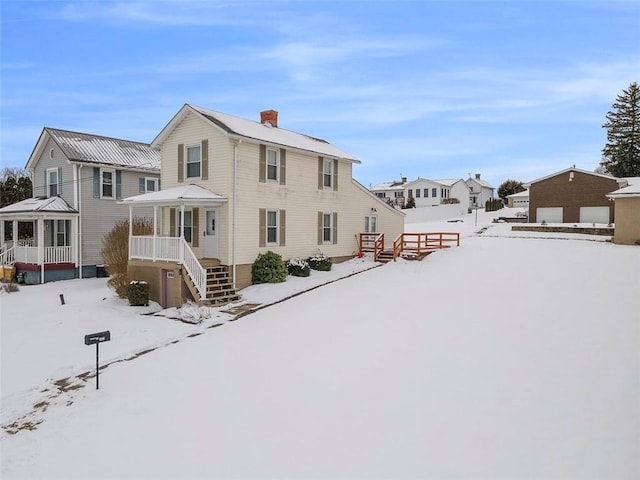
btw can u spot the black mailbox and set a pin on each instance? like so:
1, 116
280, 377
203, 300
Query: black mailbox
97, 337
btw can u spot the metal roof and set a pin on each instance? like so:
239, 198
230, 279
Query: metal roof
95, 149
39, 205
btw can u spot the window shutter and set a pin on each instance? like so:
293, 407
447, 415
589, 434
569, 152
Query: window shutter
195, 226
262, 176
320, 228
262, 225
320, 173
335, 175
159, 185
60, 181
172, 222
96, 182
118, 184
46, 184
283, 227
283, 166
204, 151
141, 185
181, 162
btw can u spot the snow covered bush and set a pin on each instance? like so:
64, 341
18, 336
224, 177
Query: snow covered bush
320, 262
298, 267
138, 294
268, 268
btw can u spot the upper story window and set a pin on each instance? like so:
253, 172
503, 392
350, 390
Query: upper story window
194, 161
53, 182
273, 164
327, 173
148, 184
107, 181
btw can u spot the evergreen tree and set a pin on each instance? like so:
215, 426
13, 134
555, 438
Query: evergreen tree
622, 151
509, 187
15, 185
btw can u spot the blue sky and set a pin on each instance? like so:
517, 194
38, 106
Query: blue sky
508, 89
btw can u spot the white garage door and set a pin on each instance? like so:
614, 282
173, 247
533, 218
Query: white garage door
594, 215
549, 214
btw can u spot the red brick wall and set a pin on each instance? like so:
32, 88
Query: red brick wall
584, 190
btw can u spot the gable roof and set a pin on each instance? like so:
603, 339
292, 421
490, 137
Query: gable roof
524, 193
480, 182
252, 130
98, 150
39, 205
567, 170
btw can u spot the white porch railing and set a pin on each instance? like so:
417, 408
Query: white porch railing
173, 249
58, 254
7, 257
27, 254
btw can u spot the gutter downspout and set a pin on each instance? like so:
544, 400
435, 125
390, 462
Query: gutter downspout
234, 202
79, 189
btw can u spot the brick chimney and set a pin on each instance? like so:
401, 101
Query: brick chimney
269, 117
477, 176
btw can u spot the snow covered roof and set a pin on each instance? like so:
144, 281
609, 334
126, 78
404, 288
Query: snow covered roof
38, 205
253, 130
480, 182
570, 169
394, 185
95, 149
449, 182
524, 193
184, 194
632, 190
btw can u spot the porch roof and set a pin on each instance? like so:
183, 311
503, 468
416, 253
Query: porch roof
38, 206
182, 195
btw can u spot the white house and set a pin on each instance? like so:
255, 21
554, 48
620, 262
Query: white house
392, 192
479, 191
430, 193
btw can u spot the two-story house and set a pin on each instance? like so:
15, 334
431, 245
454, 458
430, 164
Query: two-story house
479, 191
234, 188
77, 179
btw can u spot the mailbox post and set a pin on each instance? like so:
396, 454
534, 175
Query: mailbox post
97, 338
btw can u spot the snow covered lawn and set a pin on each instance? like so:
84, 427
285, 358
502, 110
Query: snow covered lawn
503, 358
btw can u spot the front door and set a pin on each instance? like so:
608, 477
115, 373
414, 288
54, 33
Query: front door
210, 235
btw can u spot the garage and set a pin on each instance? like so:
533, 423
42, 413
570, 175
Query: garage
594, 215
549, 214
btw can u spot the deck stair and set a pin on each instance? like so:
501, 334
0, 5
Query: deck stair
411, 246
219, 290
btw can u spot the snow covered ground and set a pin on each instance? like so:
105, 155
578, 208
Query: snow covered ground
515, 355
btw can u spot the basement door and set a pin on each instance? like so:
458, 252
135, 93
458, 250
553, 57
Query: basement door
210, 243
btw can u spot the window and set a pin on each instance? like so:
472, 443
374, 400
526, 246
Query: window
327, 173
273, 163
417, 193
106, 183
399, 194
188, 224
61, 233
52, 182
148, 184
380, 194
411, 193
434, 192
426, 193
370, 224
193, 162
327, 227
272, 227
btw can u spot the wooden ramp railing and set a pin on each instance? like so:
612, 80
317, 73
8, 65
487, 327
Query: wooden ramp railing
411, 244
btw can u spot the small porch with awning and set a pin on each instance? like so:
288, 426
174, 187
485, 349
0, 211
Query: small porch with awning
50, 237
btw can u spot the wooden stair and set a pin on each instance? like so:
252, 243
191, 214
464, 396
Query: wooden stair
220, 290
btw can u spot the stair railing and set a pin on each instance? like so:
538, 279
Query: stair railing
196, 271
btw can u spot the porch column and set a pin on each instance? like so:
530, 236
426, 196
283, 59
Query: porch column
1, 235
14, 232
155, 231
181, 232
130, 230
41, 242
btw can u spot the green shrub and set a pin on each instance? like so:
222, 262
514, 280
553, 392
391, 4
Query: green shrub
493, 204
268, 268
138, 293
298, 267
320, 262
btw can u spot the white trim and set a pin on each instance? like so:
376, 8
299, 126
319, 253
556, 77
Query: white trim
112, 171
186, 161
276, 166
276, 227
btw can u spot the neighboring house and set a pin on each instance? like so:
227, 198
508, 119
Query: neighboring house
571, 196
78, 179
391, 192
518, 200
430, 193
234, 188
626, 202
479, 191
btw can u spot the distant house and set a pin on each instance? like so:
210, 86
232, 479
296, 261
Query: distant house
234, 188
392, 192
479, 191
430, 193
518, 200
627, 212
77, 179
571, 196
